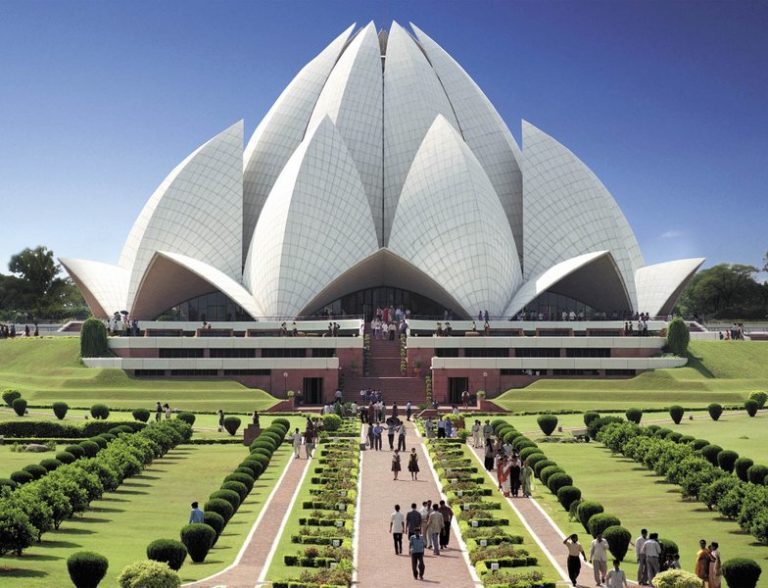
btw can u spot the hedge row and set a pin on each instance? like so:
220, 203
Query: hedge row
199, 538
39, 506
48, 429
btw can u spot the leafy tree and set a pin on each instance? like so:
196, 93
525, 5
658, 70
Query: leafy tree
678, 337
726, 291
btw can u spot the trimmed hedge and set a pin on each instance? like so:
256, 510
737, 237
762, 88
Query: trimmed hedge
599, 522
741, 467
676, 412
618, 539
9, 396
232, 424
557, 481
198, 538
751, 407
87, 569
567, 495
547, 423
20, 407
741, 572
100, 411
634, 415
715, 410
55, 429
757, 473
586, 510
169, 551
726, 460
141, 415
60, 409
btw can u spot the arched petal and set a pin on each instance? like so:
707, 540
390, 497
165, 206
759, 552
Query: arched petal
659, 286
104, 286
315, 225
450, 224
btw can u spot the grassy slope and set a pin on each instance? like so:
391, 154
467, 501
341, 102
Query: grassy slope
724, 372
48, 369
642, 499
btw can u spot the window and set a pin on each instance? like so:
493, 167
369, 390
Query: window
330, 352
283, 352
587, 352
149, 373
447, 352
575, 372
486, 352
180, 353
195, 373
240, 353
535, 352
247, 372
620, 372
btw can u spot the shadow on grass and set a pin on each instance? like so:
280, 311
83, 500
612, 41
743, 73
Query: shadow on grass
133, 485
93, 520
46, 557
102, 509
696, 363
6, 572
132, 492
71, 531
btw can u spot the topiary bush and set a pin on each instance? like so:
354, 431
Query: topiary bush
547, 423
676, 579
590, 416
244, 479
169, 551
65, 457
148, 574
232, 424
699, 444
726, 460
187, 417
75, 450
594, 427
89, 447
557, 481
750, 405
19, 406
755, 474
7, 482
676, 412
549, 471
215, 521
678, 336
634, 415
16, 532
93, 339
9, 396
540, 465
219, 506
141, 414
601, 521
51, 464
100, 411
715, 410
331, 422
710, 453
198, 539
741, 572
229, 495
238, 487
618, 541
35, 470
21, 477
527, 452
567, 495
87, 569
587, 509
60, 409
760, 397
741, 467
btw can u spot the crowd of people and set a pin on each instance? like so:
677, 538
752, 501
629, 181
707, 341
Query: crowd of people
9, 331
308, 439
735, 333
428, 527
390, 322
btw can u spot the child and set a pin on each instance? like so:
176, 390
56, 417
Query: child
413, 464
396, 463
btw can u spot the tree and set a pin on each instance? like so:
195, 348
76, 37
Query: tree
726, 291
678, 337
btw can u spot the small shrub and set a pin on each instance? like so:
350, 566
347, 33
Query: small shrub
21, 477
7, 482
169, 551
540, 465
750, 405
557, 481
93, 339
678, 336
597, 424
100, 411
238, 487
219, 506
755, 474
759, 526
741, 467
215, 521
547, 423
16, 532
618, 541
89, 447
148, 574
676, 412
715, 410
65, 457
187, 417
35, 470
668, 547
528, 452
51, 464
75, 450
741, 572
86, 569
229, 495
232, 424
331, 422
710, 453
726, 460
141, 414
590, 416
699, 444
244, 479
587, 509
567, 495
100, 441
550, 471
60, 409
676, 579
20, 406
760, 398
9, 396
601, 521
634, 415
198, 539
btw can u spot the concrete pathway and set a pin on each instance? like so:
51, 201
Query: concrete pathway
376, 560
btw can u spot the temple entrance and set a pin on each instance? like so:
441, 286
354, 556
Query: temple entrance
455, 387
312, 390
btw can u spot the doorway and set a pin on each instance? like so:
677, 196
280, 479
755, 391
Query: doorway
313, 390
455, 387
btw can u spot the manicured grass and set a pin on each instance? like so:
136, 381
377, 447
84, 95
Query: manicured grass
150, 506
11, 461
642, 500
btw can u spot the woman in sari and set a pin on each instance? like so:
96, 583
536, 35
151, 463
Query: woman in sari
703, 559
715, 573
526, 479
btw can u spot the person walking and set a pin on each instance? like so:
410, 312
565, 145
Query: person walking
413, 464
370, 435
197, 515
476, 434
526, 479
397, 528
309, 439
396, 467
167, 408
598, 557
445, 534
413, 521
575, 553
400, 437
514, 474
428, 428
616, 578
377, 430
642, 573
221, 419
652, 551
391, 426
408, 410
715, 566
440, 428
296, 443
159, 412
489, 454
435, 525
702, 562
487, 431
426, 508
416, 549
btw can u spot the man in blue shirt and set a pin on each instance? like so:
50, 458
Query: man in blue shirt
196, 516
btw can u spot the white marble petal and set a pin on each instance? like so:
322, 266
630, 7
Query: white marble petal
660, 285
104, 286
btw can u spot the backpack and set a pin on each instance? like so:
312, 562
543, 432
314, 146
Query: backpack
417, 544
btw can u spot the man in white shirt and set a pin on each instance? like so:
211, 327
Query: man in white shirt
598, 557
397, 528
487, 431
476, 435
616, 577
652, 551
640, 556
425, 508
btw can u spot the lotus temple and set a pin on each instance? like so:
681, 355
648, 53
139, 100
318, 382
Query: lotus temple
382, 176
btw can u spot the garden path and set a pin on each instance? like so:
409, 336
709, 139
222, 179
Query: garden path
254, 556
377, 564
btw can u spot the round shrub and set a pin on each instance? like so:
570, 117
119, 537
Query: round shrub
219, 506
51, 464
540, 465
741, 572
676, 579
120, 429
741, 467
86, 569
547, 423
535, 458
634, 415
100, 441
100, 411
668, 547
229, 495
557, 481
760, 398
244, 479
232, 424
21, 477
108, 437
198, 539
687, 439
662, 433
148, 574
7, 482
755, 474
587, 509
594, 427
60, 409
590, 416
187, 417
9, 396
250, 467
262, 451
242, 469
549, 471
260, 459
239, 487
601, 521
331, 422
35, 470
75, 450
678, 336
215, 521
89, 447
521, 443
618, 541
282, 421
169, 551
20, 406
528, 452
676, 412
715, 410
273, 436
750, 405
726, 460
268, 445
510, 436
710, 453
567, 495
699, 444
674, 436
141, 414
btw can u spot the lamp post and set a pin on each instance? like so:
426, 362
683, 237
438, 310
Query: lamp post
285, 382
485, 376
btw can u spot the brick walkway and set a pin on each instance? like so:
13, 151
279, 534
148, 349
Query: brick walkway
245, 571
377, 563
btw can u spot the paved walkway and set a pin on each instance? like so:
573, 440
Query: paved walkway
243, 573
377, 563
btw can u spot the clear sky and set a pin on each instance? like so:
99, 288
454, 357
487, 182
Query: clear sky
667, 102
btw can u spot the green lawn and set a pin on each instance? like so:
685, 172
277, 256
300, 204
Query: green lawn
150, 506
643, 500
724, 372
10, 461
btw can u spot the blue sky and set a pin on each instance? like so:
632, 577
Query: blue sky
665, 101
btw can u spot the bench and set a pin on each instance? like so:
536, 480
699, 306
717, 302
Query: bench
580, 434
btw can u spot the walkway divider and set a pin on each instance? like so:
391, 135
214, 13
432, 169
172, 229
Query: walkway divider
356, 524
